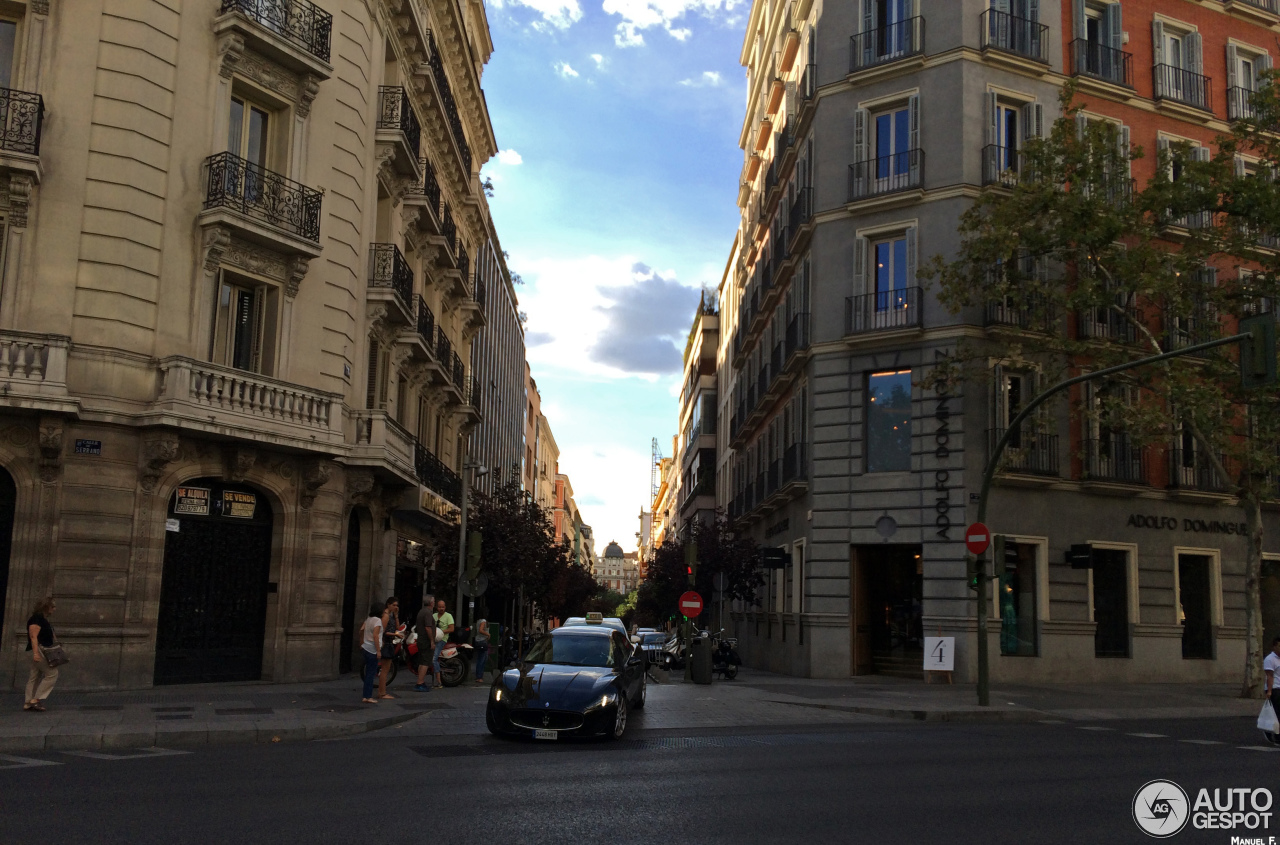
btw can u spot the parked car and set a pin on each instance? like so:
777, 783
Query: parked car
597, 619
577, 680
652, 643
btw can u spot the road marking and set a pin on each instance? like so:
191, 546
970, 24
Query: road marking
1095, 728
1201, 741
1258, 747
1150, 736
128, 755
1051, 721
13, 762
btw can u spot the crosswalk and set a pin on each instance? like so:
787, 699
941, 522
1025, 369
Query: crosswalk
1264, 747
14, 761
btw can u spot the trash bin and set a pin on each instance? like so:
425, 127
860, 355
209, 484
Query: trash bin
700, 660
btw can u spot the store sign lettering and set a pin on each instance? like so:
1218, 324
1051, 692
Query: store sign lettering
239, 505
193, 501
942, 451
1196, 526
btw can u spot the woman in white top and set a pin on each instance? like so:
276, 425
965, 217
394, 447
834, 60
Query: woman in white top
371, 638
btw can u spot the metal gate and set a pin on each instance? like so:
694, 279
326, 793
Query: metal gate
213, 594
8, 504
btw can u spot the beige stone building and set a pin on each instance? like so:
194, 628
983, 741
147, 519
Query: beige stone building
245, 255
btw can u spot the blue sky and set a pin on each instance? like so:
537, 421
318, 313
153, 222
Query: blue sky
614, 197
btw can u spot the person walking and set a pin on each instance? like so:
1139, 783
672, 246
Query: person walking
390, 627
1271, 668
370, 637
444, 627
40, 636
481, 642
425, 627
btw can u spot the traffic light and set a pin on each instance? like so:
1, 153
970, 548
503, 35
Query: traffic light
691, 560
473, 555
998, 554
1258, 352
973, 566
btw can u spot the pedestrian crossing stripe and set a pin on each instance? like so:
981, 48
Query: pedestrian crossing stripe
9, 761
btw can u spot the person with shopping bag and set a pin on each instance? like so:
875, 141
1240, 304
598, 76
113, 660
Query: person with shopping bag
1267, 720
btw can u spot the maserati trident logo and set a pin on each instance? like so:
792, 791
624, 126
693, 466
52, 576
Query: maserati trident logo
546, 719
1160, 808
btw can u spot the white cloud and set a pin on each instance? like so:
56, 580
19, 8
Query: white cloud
510, 157
709, 79
638, 15
560, 14
564, 70
598, 59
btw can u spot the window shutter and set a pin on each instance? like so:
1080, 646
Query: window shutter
913, 104
1123, 138
861, 119
1000, 418
371, 393
1082, 126
255, 355
1239, 165
860, 250
1233, 64
868, 26
1162, 147
1194, 57
1157, 42
911, 257
1033, 120
1033, 11
993, 117
1113, 26
791, 102
1203, 154
1261, 63
1078, 29
1000, 6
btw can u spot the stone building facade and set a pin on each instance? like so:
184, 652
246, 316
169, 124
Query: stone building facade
238, 305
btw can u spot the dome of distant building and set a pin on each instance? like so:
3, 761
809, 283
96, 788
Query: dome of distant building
613, 550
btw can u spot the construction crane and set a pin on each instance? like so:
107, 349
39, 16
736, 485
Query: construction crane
655, 465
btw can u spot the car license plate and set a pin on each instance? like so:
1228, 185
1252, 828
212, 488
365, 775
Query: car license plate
546, 735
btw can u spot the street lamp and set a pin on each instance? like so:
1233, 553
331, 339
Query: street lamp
479, 469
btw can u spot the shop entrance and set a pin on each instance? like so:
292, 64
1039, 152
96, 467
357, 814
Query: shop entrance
1270, 601
8, 505
887, 592
1195, 609
213, 592
350, 579
1111, 602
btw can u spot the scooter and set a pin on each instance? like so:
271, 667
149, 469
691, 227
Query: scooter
724, 657
456, 658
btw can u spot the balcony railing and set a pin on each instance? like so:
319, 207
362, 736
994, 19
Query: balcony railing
1183, 86
1113, 458
241, 186
797, 334
464, 264
1089, 58
1023, 37
244, 394
1240, 103
886, 309
1001, 165
1108, 323
388, 269
1027, 452
1190, 469
23, 116
429, 189
444, 349
478, 291
1030, 313
434, 474
795, 465
885, 174
887, 43
297, 21
809, 82
426, 323
1184, 330
801, 211
458, 372
397, 113
449, 229
446, 97
1272, 6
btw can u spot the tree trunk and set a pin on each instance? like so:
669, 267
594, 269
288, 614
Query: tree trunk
1253, 647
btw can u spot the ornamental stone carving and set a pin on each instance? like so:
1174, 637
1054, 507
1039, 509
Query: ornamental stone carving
157, 451
315, 474
216, 242
270, 75
295, 272
239, 463
50, 448
230, 52
308, 88
253, 259
38, 7
20, 185
361, 487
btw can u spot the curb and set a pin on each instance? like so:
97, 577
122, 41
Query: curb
994, 715
188, 734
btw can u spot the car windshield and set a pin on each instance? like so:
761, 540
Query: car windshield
651, 639
568, 650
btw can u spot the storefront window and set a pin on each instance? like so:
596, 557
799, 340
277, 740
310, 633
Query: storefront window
1111, 602
1017, 586
888, 422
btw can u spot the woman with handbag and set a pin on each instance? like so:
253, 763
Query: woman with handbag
46, 655
390, 632
481, 642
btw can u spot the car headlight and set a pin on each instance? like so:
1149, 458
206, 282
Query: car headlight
603, 701
497, 693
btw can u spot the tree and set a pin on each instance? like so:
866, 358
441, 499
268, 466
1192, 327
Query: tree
1142, 270
720, 551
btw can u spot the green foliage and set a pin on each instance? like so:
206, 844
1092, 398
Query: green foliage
719, 551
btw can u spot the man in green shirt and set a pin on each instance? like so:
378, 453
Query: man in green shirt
444, 625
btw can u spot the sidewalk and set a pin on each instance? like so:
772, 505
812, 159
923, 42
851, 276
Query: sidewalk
207, 714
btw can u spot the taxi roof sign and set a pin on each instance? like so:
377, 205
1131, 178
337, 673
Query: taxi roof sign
595, 618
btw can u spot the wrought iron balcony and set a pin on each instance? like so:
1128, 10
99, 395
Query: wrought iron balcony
1190, 469
303, 24
23, 115
444, 349
886, 174
1001, 165
447, 102
449, 229
1029, 313
886, 309
1272, 6
797, 335
1183, 86
434, 474
479, 291
795, 465
1240, 103
1089, 58
388, 269
1027, 452
241, 186
1112, 457
1108, 323
1183, 330
801, 212
396, 113
429, 188
1023, 37
458, 372
887, 43
426, 324
464, 263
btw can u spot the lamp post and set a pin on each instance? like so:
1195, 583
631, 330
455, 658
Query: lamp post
480, 470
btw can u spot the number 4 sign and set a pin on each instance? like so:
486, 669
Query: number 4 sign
939, 654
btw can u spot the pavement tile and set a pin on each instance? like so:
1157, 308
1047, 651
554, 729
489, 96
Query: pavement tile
129, 736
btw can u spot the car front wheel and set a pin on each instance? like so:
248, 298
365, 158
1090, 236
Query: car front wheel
644, 690
619, 719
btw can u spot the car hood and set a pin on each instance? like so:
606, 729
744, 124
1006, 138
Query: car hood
553, 686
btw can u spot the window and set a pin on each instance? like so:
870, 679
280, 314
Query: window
884, 283
1009, 125
888, 421
1016, 582
886, 149
1196, 605
1244, 71
247, 131
1099, 45
8, 47
887, 31
1110, 594
1178, 65
245, 325
890, 273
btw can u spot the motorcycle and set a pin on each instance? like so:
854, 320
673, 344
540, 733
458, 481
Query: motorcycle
724, 656
456, 658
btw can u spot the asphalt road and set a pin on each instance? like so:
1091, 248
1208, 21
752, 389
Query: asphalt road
875, 781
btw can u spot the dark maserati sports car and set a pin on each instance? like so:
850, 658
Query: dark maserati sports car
576, 681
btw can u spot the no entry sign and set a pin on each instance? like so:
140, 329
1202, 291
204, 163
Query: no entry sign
691, 604
977, 538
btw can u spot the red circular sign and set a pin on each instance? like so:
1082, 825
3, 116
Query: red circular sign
690, 604
977, 538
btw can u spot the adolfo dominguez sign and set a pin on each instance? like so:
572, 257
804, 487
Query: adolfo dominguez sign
1196, 526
